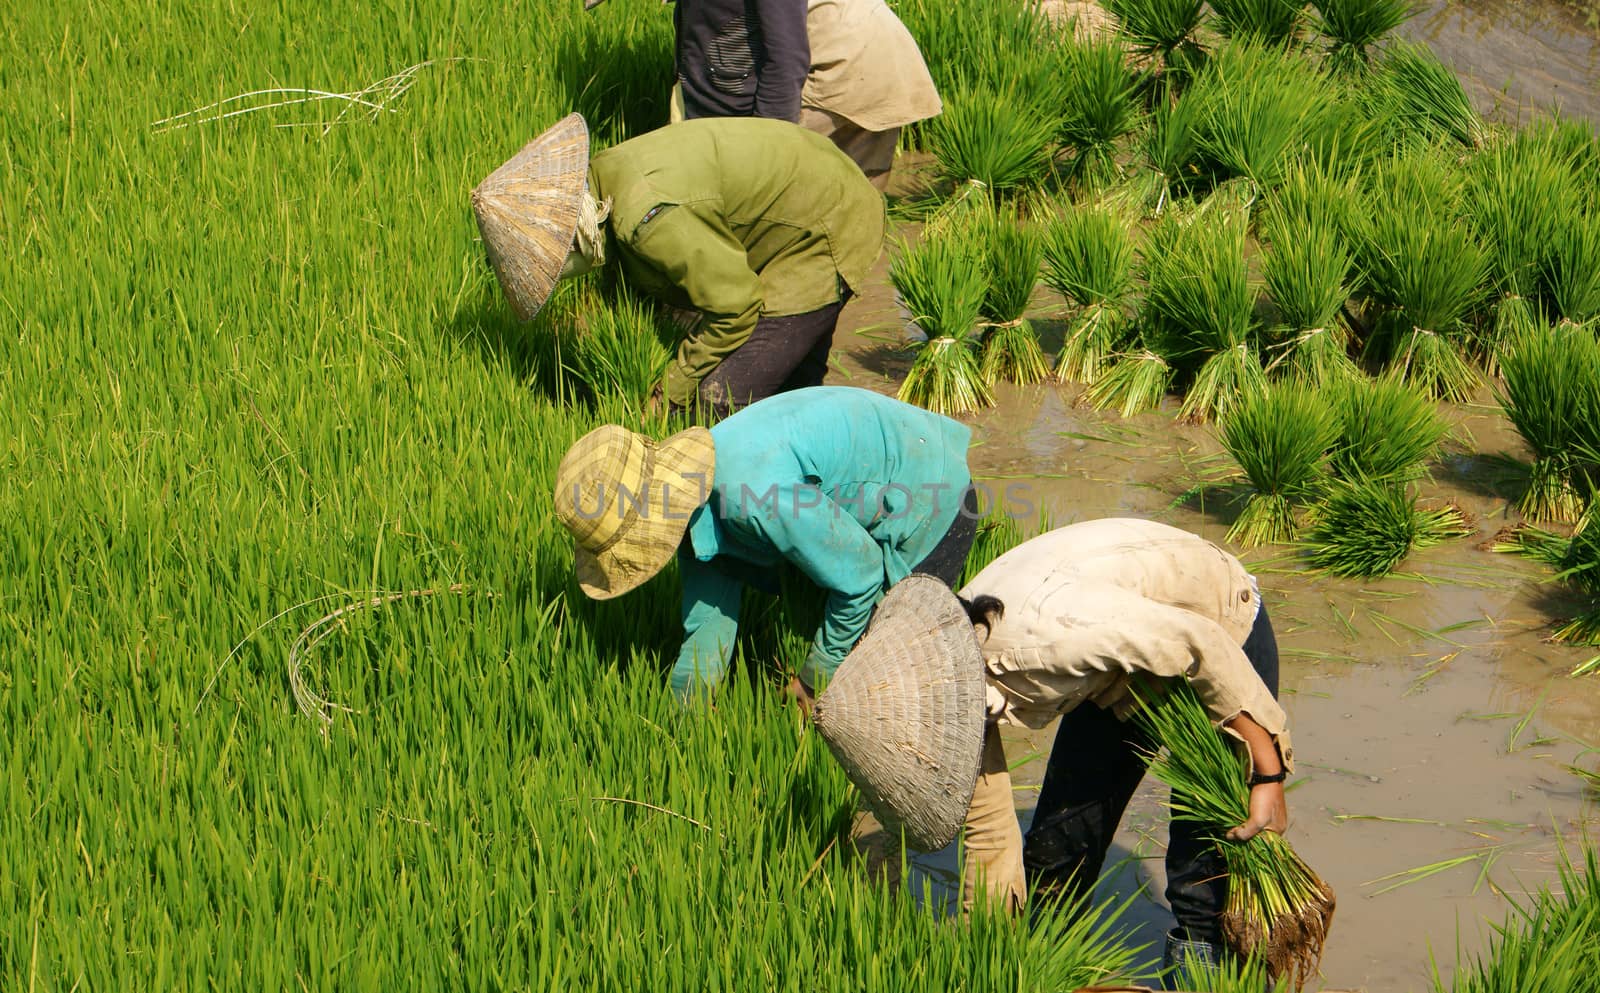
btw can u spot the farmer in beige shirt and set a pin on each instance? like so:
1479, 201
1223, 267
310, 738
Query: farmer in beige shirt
1068, 621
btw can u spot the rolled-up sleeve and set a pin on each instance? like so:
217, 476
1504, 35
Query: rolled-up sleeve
710, 625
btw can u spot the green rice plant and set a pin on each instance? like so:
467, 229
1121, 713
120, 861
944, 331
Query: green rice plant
1171, 151
1260, 106
941, 282
1279, 910
1134, 382
1388, 432
1422, 260
1569, 273
1353, 27
1280, 439
1547, 375
1164, 29
1101, 107
1012, 253
997, 138
622, 350
1426, 97
1230, 975
1307, 269
1580, 569
1276, 22
1198, 309
1088, 259
1364, 528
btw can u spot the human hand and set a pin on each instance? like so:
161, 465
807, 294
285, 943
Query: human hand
657, 403
803, 697
1269, 811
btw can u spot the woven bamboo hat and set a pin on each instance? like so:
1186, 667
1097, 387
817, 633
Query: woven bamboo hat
527, 211
627, 500
904, 714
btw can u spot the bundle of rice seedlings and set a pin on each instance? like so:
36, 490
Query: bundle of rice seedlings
1088, 259
940, 281
1280, 439
1580, 568
1273, 21
1198, 306
1011, 270
623, 349
997, 137
1162, 29
1426, 97
1547, 372
1259, 107
1521, 190
1352, 27
1570, 270
1422, 260
1171, 151
1388, 432
1134, 382
1307, 272
1101, 107
1365, 528
1279, 910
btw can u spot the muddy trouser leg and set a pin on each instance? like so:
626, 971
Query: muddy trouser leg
949, 556
774, 352
991, 839
1095, 766
1197, 882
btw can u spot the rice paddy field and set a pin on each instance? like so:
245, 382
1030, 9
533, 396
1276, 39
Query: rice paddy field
256, 372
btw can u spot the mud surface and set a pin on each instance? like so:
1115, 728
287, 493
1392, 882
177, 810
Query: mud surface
1410, 698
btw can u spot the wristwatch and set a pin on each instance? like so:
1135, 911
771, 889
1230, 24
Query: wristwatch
1256, 779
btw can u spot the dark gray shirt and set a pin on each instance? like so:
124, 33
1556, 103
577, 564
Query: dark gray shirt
742, 58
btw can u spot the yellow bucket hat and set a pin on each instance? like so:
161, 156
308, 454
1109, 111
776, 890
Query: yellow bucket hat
627, 501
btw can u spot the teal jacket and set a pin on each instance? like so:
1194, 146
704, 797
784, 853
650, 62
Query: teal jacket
853, 488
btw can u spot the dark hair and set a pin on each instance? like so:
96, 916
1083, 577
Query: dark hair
983, 609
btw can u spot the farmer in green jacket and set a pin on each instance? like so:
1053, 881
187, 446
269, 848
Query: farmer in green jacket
855, 489
762, 228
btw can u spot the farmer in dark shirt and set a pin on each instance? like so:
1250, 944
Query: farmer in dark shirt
742, 58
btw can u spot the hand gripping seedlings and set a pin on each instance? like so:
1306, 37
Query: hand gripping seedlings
1088, 259
1365, 529
941, 283
1279, 910
1280, 439
1548, 374
1387, 431
1011, 269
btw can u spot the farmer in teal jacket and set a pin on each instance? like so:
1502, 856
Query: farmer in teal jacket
854, 489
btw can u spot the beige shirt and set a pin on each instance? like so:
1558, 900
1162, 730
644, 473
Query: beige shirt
1090, 606
865, 66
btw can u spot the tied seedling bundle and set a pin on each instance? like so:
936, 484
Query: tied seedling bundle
1425, 98
1101, 106
940, 281
1307, 271
1279, 910
1276, 22
997, 138
1163, 30
622, 350
1353, 27
1198, 309
1258, 107
1387, 431
1570, 270
1424, 263
1280, 439
1011, 255
1549, 376
1366, 528
1088, 259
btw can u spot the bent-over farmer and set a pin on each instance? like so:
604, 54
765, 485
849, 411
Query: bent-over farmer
1068, 622
855, 489
760, 227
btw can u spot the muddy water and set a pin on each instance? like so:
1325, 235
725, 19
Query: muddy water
1408, 697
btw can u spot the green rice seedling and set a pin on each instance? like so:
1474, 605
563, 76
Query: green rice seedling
1426, 97
1388, 432
1088, 259
1422, 260
622, 350
941, 282
1353, 27
1279, 910
1570, 269
1580, 568
1276, 22
1171, 151
1547, 375
1198, 309
1259, 107
1101, 107
1231, 975
1134, 382
1163, 29
1011, 260
1365, 528
1307, 269
1280, 439
997, 138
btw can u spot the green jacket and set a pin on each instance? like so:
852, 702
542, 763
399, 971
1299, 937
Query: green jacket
738, 218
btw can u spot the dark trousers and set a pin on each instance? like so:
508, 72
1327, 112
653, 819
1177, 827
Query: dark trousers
949, 556
1095, 766
781, 354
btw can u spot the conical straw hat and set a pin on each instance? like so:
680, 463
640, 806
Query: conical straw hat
528, 210
904, 714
